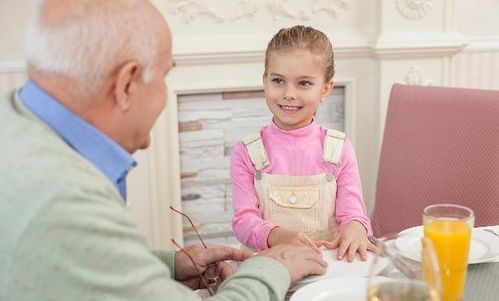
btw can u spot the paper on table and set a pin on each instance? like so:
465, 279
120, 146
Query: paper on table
343, 268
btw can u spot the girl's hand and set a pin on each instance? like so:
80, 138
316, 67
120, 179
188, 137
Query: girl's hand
351, 239
280, 235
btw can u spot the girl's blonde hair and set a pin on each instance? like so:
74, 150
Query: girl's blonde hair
303, 37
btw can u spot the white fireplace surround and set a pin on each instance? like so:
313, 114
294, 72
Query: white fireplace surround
219, 46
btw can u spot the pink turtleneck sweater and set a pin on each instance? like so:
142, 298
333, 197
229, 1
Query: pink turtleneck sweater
295, 153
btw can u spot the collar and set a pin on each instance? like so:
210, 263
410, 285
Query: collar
104, 153
301, 132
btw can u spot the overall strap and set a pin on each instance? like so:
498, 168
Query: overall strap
256, 151
333, 146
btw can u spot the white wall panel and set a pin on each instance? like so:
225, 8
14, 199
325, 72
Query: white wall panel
476, 69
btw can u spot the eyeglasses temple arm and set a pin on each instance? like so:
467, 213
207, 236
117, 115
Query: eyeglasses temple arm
192, 224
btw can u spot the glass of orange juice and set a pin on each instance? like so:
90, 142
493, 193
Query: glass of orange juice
449, 228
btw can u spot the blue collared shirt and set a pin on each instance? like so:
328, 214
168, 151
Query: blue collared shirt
108, 156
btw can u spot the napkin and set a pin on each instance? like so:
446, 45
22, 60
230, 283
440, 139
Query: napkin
343, 268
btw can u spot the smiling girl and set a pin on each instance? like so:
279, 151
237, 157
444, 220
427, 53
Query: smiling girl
295, 181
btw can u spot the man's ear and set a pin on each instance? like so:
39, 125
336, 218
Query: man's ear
126, 81
328, 87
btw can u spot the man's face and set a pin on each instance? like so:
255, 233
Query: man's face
150, 98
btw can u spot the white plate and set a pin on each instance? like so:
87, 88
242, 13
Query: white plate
333, 289
343, 268
484, 245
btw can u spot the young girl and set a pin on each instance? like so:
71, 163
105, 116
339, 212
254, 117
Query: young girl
294, 181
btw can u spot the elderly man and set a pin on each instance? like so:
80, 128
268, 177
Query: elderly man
96, 85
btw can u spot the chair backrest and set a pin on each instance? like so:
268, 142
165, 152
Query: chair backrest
440, 145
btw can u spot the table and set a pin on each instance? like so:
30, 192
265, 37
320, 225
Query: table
482, 283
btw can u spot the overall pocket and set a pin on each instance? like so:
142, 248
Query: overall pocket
296, 208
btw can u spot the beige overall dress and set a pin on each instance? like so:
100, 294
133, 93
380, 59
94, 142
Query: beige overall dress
300, 203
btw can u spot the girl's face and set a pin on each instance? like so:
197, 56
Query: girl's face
294, 85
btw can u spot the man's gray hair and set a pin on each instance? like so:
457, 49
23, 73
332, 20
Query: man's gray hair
92, 39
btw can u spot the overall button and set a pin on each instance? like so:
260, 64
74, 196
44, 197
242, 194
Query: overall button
329, 177
258, 175
293, 199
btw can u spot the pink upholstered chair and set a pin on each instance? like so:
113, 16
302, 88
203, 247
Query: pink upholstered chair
440, 145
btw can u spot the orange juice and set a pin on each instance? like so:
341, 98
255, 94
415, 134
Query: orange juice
451, 241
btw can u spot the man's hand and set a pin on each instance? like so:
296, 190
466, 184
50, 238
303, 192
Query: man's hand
351, 239
300, 260
280, 235
213, 257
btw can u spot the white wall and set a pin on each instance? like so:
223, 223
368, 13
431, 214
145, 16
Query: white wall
14, 17
478, 65
219, 45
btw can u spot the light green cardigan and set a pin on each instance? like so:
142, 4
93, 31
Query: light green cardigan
65, 234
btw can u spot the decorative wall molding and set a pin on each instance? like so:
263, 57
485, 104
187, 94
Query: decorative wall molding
249, 48
483, 44
191, 9
247, 9
414, 9
386, 46
416, 77
240, 49
411, 45
280, 8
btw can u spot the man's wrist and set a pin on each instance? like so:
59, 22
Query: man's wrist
168, 258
